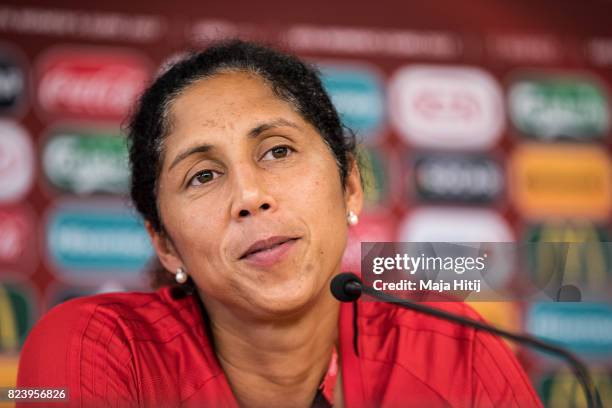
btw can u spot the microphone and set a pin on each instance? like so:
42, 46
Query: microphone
347, 287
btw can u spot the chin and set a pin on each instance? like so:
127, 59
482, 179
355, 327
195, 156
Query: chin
284, 299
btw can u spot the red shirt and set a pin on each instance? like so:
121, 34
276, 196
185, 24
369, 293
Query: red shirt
150, 349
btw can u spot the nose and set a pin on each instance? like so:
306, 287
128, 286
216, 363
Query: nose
250, 194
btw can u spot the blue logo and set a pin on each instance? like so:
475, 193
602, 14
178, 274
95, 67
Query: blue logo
585, 328
97, 244
357, 94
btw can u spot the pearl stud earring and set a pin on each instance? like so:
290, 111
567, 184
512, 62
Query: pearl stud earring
352, 219
181, 275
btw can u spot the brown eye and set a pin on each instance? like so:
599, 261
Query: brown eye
202, 177
278, 152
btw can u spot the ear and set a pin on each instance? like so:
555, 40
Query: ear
353, 190
167, 254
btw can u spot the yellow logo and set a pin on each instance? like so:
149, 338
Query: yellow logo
561, 181
562, 390
9, 338
573, 251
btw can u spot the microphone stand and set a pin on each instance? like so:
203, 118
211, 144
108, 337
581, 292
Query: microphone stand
352, 288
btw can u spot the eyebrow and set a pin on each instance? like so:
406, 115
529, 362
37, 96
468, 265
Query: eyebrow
257, 130
254, 132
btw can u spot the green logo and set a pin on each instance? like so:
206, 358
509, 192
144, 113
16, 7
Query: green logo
87, 162
559, 108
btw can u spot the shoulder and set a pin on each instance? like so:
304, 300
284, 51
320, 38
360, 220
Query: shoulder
100, 325
132, 311
401, 336
379, 317
453, 360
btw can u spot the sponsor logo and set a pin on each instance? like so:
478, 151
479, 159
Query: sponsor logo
432, 224
372, 227
551, 108
12, 84
85, 162
457, 178
97, 243
560, 389
552, 262
549, 181
585, 328
16, 316
447, 107
357, 94
90, 84
16, 162
374, 175
17, 243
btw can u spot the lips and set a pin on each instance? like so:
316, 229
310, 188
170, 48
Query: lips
266, 244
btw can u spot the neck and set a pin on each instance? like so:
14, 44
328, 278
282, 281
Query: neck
276, 363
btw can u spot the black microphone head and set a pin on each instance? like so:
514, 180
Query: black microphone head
346, 287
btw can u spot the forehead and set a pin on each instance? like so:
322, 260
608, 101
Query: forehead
224, 99
221, 110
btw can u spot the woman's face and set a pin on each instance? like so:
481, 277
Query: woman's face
250, 197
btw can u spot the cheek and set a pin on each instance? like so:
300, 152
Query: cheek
203, 256
321, 201
195, 228
327, 204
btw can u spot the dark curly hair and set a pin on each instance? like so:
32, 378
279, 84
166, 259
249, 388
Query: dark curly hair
291, 79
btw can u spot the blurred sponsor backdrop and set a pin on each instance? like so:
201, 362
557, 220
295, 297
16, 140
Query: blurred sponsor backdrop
477, 121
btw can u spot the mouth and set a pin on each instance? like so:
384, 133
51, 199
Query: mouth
266, 245
268, 251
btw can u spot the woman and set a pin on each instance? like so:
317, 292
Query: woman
248, 185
